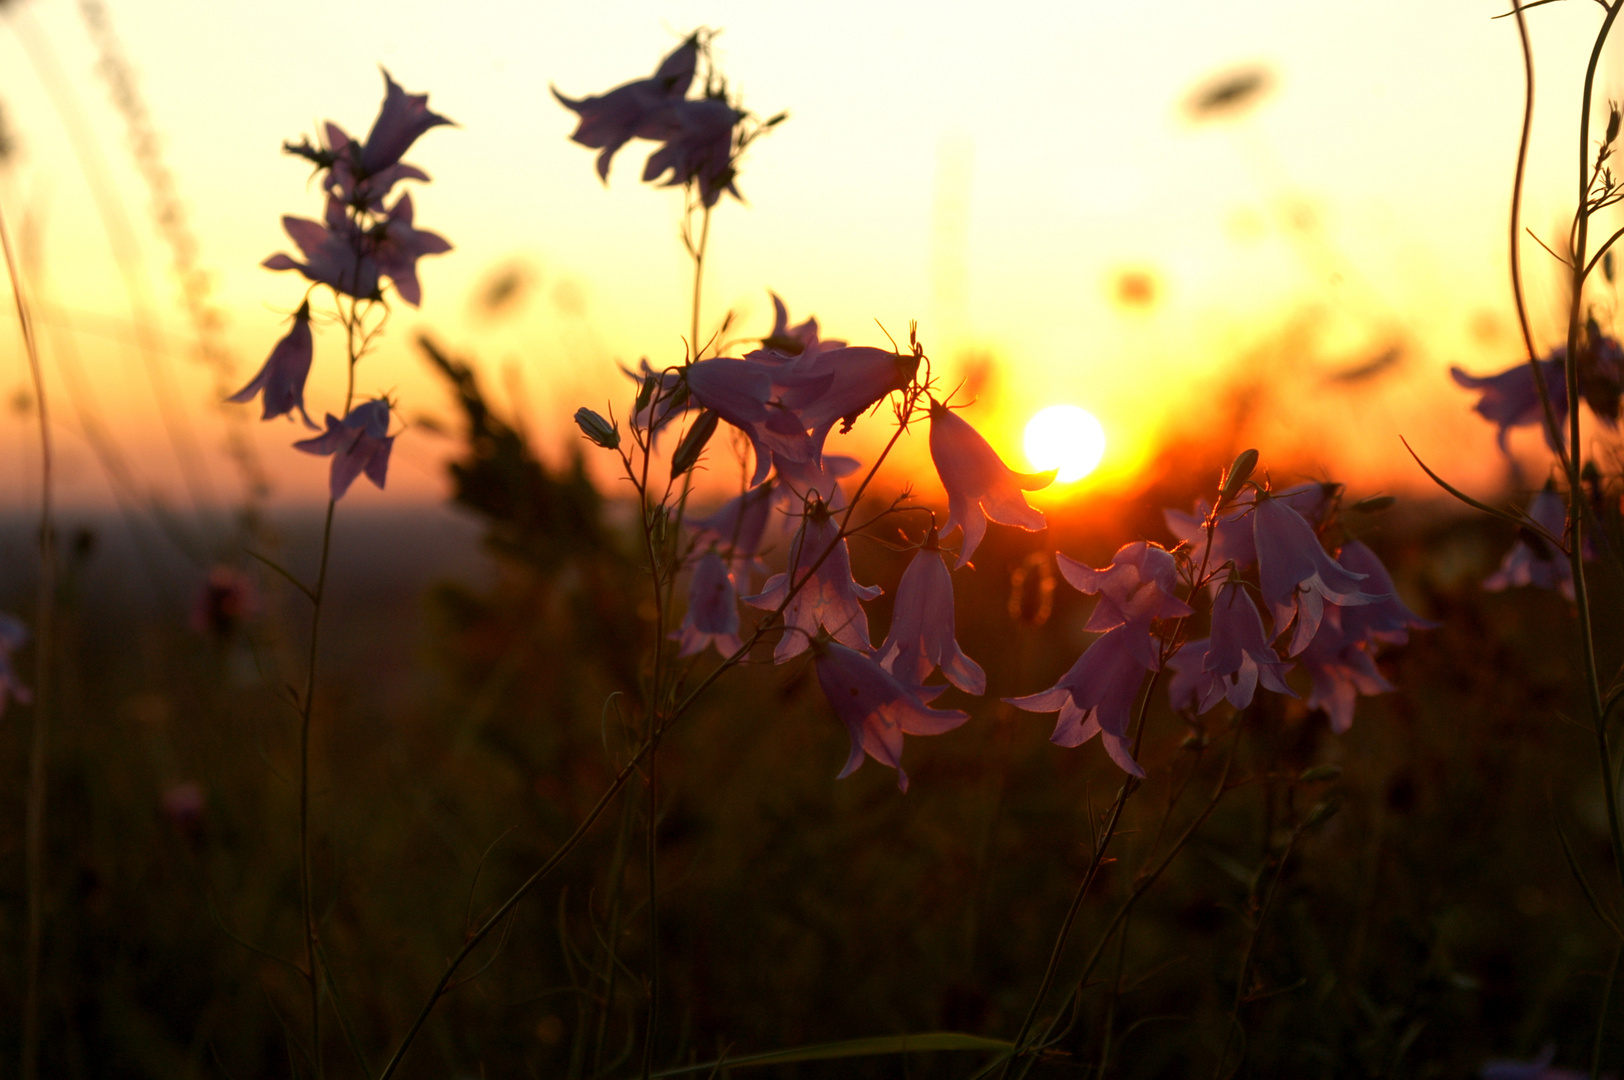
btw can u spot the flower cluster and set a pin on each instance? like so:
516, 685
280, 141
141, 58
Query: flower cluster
700, 137
363, 240
1511, 398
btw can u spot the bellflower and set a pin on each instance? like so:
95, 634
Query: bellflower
799, 481
837, 385
980, 487
1342, 668
402, 119
358, 443
787, 342
398, 247
1136, 587
1192, 686
921, 636
1096, 697
1232, 533
829, 598
713, 610
13, 636
1511, 398
282, 379
346, 178
876, 707
1238, 653
336, 254
1533, 560
610, 120
698, 137
1387, 619
1297, 577
740, 524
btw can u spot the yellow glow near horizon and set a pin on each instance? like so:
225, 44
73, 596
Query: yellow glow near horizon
1066, 438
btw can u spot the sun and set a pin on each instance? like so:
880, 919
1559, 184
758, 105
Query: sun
1066, 438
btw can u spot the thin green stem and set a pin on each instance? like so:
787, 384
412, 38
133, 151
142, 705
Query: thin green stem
1246, 959
1601, 1019
45, 631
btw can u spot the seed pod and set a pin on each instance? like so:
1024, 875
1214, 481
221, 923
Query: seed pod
1320, 772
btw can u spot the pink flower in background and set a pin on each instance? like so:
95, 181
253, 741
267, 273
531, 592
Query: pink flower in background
1342, 669
225, 601
282, 379
359, 443
922, 636
698, 137
1238, 653
336, 254
1387, 619
610, 120
1136, 587
1096, 697
787, 342
399, 245
980, 487
1511, 398
876, 707
739, 526
1534, 560
401, 121
13, 636
830, 597
799, 481
1297, 576
713, 610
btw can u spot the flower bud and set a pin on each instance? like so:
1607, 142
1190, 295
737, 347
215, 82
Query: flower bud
1320, 772
1323, 811
693, 443
598, 431
1612, 122
1375, 504
1237, 474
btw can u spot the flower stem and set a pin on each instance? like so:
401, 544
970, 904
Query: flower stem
45, 633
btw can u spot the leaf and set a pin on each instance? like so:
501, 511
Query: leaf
849, 1048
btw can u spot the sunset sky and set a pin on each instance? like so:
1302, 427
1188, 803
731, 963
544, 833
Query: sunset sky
1025, 182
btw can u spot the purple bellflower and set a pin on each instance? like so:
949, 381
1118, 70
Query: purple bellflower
1135, 588
799, 481
1538, 1069
1192, 686
611, 120
346, 179
398, 247
282, 379
1096, 697
1534, 560
1342, 668
1238, 654
13, 636
829, 598
359, 443
336, 254
837, 385
1387, 619
739, 526
980, 487
1232, 534
713, 610
922, 636
402, 119
1297, 576
1511, 398
787, 342
876, 707
698, 137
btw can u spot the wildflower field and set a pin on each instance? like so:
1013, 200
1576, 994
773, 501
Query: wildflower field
788, 723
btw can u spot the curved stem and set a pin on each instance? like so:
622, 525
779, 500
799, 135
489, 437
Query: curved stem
44, 626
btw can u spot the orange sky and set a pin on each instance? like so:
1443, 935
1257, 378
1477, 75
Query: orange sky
992, 175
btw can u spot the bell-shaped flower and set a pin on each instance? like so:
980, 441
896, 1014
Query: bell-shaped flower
346, 179
336, 254
876, 707
1533, 559
399, 246
922, 634
282, 379
13, 636
799, 481
1238, 653
1096, 697
837, 385
739, 526
1296, 574
1232, 540
1511, 398
1341, 669
828, 596
1136, 587
359, 443
713, 610
610, 120
698, 138
1387, 619
402, 119
1192, 686
788, 342
980, 487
